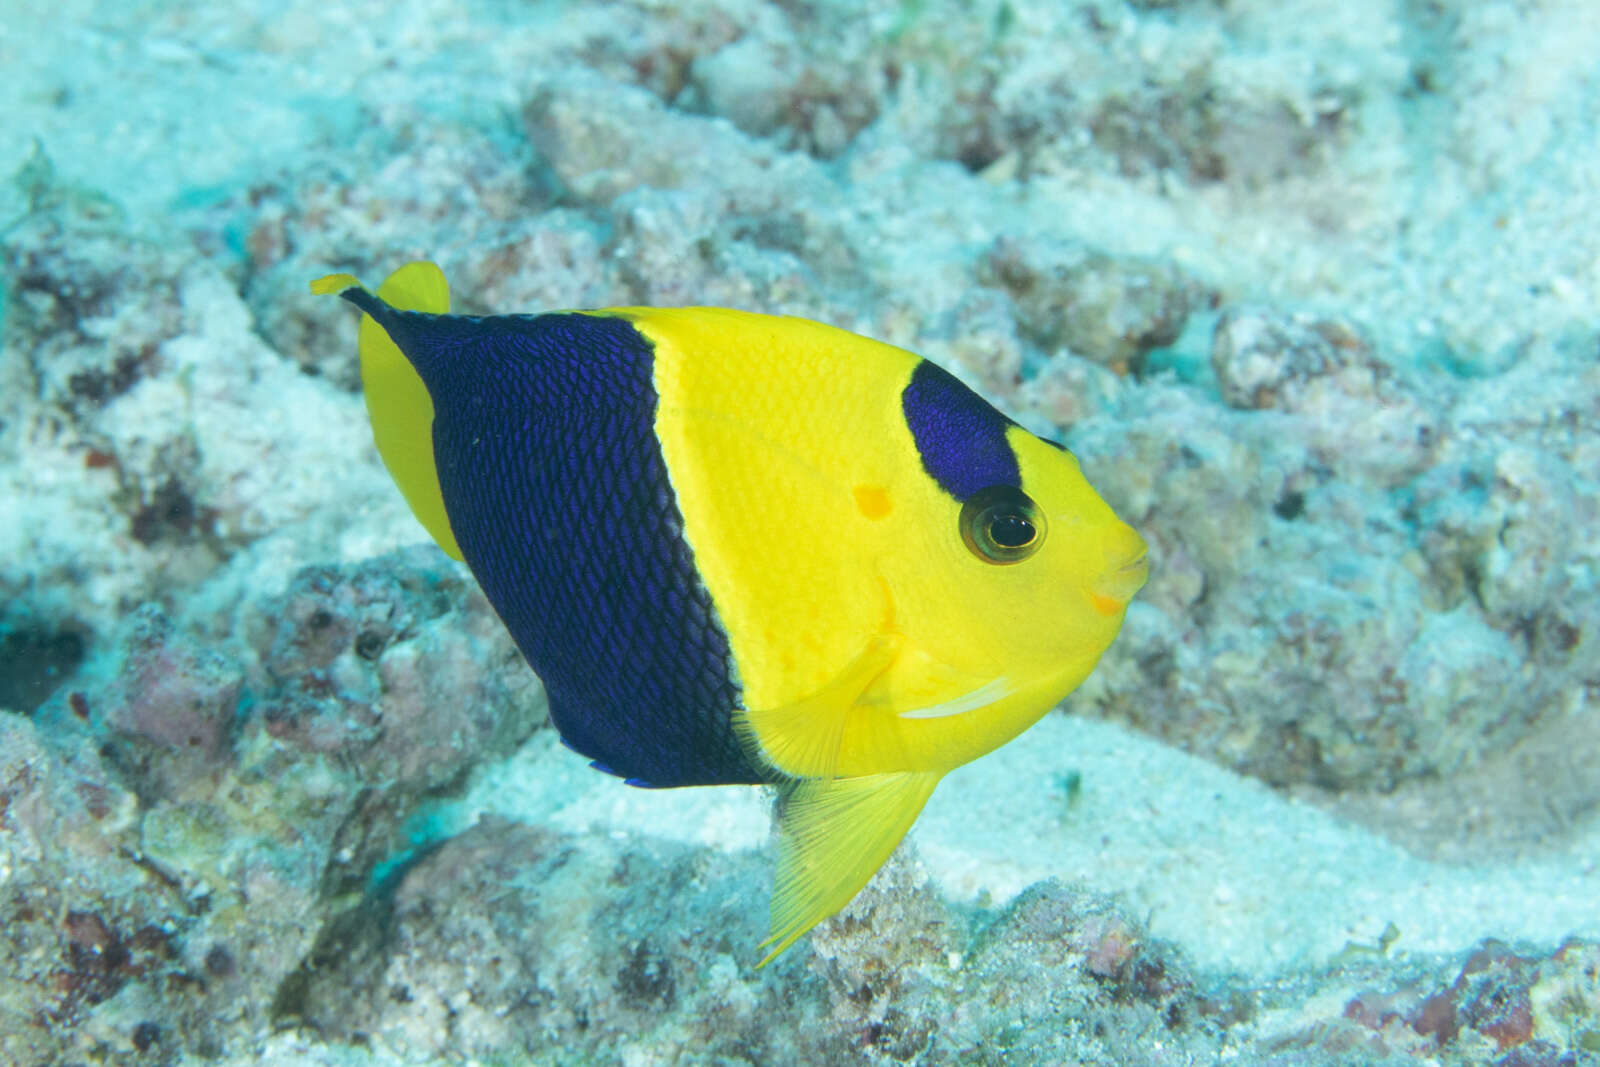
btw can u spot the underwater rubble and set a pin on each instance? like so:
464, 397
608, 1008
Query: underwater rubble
184, 822
1309, 290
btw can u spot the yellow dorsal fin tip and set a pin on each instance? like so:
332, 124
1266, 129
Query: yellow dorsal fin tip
334, 283
397, 400
418, 286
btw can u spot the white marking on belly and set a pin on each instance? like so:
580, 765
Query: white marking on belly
980, 697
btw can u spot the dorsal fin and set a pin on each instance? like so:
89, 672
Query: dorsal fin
397, 402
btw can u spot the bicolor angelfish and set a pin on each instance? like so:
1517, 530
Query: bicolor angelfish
750, 549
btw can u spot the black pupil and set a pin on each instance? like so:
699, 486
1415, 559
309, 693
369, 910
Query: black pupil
1010, 530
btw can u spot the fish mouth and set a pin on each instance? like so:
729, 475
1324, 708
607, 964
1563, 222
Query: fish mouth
1128, 567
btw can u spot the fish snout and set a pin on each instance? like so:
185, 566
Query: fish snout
1127, 565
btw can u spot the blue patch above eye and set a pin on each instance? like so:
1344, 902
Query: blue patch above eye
959, 435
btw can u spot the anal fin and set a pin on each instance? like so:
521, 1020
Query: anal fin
834, 834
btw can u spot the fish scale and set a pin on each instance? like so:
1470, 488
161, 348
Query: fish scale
625, 689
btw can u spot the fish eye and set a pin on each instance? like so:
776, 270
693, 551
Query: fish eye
1002, 524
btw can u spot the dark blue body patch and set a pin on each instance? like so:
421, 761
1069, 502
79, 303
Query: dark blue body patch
555, 487
959, 435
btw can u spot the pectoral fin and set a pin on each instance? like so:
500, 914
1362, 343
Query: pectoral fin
802, 738
834, 834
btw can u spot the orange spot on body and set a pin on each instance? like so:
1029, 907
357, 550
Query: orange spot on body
1106, 605
872, 501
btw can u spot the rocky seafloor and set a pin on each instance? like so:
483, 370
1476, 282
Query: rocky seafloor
1309, 289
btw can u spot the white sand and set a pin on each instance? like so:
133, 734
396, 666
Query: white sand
1240, 877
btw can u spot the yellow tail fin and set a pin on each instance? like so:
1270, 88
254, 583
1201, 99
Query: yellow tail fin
397, 402
834, 834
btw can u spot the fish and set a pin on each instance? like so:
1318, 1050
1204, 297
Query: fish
749, 549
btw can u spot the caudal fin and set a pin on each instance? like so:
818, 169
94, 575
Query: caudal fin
397, 402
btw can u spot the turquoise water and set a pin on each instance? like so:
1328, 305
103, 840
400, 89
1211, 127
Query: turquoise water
1309, 292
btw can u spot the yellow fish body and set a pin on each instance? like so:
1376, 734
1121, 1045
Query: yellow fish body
743, 548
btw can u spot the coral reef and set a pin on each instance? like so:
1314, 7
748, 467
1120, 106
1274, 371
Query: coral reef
1109, 310
185, 823
1500, 1007
1308, 288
